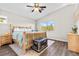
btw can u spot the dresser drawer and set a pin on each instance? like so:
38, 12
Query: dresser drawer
5, 39
73, 42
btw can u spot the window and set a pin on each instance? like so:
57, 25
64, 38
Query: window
47, 26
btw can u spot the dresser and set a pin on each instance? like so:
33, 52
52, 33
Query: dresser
73, 42
5, 39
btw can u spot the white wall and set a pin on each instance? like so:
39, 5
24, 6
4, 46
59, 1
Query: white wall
13, 19
77, 19
63, 22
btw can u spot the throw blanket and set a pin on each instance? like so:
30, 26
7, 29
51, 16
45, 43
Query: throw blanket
18, 36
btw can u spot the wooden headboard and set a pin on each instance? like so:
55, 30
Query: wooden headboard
12, 27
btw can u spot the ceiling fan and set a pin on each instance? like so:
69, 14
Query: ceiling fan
37, 7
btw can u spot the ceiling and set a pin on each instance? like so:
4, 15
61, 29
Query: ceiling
22, 10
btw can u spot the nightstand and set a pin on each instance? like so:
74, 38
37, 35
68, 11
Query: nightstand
5, 39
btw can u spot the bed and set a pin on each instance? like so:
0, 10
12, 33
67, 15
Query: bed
24, 36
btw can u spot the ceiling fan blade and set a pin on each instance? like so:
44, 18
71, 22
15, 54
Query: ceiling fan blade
33, 10
42, 6
29, 6
40, 11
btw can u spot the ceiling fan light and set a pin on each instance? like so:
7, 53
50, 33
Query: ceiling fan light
36, 9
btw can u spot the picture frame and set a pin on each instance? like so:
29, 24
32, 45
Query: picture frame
3, 20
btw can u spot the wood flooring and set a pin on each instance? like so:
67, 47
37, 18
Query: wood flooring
59, 49
6, 51
56, 49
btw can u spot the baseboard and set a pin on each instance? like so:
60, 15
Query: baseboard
58, 40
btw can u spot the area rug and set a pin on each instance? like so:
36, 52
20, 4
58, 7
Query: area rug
29, 52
